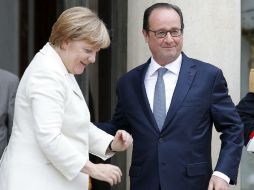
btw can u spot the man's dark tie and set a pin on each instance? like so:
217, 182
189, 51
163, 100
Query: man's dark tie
159, 102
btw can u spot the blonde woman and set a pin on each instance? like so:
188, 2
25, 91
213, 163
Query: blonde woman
52, 133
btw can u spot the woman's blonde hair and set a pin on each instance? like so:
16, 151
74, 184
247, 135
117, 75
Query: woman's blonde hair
80, 23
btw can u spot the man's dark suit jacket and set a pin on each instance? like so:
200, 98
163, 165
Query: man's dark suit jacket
246, 111
179, 156
8, 86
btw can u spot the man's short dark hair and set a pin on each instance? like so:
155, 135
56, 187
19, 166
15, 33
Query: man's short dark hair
150, 9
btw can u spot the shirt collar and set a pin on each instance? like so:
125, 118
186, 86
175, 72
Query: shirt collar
173, 67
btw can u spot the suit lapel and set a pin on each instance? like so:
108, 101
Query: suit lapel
74, 85
186, 76
142, 96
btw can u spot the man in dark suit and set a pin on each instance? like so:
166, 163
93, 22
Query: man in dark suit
246, 111
172, 141
8, 87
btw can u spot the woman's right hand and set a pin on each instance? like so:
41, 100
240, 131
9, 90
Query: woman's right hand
104, 172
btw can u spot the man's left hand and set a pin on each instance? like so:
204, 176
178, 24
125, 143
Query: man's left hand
216, 183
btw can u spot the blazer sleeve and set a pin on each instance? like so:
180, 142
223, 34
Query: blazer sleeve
228, 122
99, 142
245, 109
46, 92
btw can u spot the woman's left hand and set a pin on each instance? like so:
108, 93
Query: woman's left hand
121, 141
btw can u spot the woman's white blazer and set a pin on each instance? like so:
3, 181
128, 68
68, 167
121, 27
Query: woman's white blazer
52, 133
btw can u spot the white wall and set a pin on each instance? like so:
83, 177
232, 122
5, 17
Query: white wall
212, 33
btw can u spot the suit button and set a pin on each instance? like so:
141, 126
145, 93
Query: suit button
161, 140
164, 163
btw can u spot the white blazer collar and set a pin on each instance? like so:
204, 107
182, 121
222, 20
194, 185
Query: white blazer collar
57, 61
